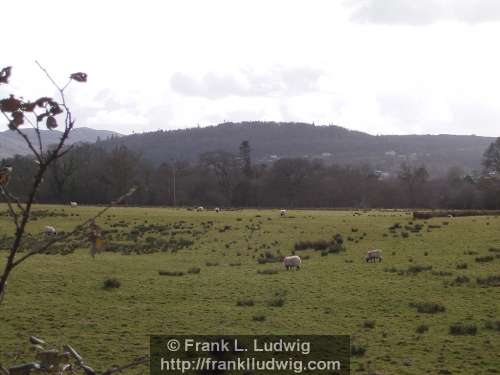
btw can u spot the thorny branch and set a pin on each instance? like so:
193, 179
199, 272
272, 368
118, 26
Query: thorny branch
44, 161
46, 363
65, 361
75, 230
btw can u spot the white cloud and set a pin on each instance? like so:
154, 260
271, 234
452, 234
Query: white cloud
248, 82
423, 12
176, 64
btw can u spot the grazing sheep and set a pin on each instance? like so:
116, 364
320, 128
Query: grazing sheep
200, 208
217, 209
73, 204
373, 255
49, 231
283, 212
293, 261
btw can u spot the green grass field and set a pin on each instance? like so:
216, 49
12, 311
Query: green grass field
61, 297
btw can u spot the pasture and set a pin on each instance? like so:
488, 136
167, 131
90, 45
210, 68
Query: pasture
432, 306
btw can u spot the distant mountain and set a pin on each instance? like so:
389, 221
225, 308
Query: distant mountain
11, 143
334, 144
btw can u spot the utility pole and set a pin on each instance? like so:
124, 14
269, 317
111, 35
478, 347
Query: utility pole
173, 181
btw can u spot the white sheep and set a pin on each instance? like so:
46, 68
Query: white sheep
73, 204
200, 208
373, 255
292, 261
49, 231
217, 209
283, 212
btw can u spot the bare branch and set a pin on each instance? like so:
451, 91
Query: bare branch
44, 162
62, 153
13, 198
30, 145
13, 212
75, 230
26, 139
138, 361
48, 76
66, 85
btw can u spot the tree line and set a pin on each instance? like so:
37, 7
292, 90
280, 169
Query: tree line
90, 174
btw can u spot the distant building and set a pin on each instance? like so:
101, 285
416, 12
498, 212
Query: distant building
390, 153
381, 175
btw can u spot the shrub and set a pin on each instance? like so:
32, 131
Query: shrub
259, 318
369, 324
357, 351
268, 271
494, 250
428, 307
494, 325
462, 266
395, 226
171, 273
111, 283
405, 234
235, 264
391, 270
277, 302
194, 270
417, 268
470, 252
493, 280
487, 258
460, 329
212, 264
441, 273
269, 257
334, 245
245, 302
422, 328
461, 280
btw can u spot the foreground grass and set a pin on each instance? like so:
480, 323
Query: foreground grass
62, 299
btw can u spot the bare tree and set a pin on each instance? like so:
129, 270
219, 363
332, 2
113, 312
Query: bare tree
44, 111
18, 112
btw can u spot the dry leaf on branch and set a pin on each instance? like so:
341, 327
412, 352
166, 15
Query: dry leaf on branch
79, 77
10, 105
5, 74
51, 122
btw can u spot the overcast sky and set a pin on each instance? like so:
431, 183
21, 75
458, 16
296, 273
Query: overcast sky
379, 66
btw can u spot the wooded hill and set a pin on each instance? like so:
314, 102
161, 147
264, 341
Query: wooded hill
11, 143
333, 144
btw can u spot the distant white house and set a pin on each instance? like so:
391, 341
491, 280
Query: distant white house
390, 153
382, 175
